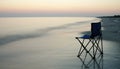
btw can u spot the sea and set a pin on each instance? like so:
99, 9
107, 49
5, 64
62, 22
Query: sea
49, 43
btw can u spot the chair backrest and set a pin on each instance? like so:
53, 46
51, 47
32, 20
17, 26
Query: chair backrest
96, 29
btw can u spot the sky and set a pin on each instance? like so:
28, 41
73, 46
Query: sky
59, 7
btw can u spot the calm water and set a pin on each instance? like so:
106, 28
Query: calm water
48, 43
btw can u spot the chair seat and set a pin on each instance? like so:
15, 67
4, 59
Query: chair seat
85, 37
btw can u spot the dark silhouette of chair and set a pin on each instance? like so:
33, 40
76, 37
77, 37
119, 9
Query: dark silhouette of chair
91, 44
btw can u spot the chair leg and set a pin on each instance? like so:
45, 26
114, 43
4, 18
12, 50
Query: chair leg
84, 48
101, 45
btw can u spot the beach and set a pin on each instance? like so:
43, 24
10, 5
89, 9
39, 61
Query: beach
32, 46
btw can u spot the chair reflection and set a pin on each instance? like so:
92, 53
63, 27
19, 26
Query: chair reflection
96, 63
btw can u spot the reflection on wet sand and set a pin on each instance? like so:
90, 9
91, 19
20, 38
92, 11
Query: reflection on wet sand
96, 63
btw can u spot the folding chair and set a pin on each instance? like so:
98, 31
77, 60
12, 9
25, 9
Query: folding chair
94, 43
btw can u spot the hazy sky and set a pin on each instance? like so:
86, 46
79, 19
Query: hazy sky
59, 7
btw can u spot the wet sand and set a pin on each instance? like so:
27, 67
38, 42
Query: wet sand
111, 39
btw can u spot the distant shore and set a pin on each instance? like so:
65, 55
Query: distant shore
115, 16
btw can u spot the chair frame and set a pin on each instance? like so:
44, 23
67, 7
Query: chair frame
95, 44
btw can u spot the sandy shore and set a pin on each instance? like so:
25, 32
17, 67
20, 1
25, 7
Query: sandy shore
111, 29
